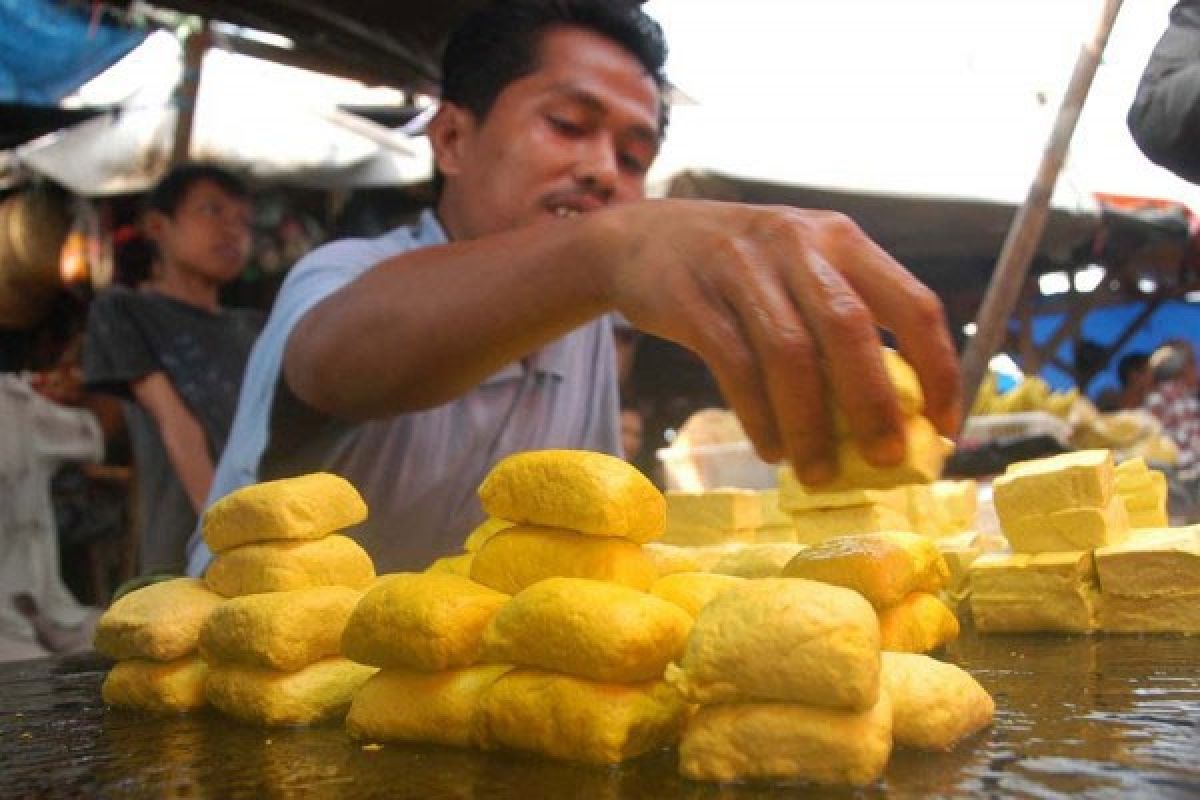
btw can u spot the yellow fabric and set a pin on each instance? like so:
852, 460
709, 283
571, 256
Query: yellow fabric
523, 555
935, 705
281, 566
712, 517
305, 507
319, 692
1082, 479
883, 567
484, 531
757, 560
1152, 562
783, 639
692, 591
601, 631
795, 496
279, 630
577, 490
1069, 529
422, 621
168, 686
160, 622
570, 718
815, 527
454, 565
437, 707
785, 741
920, 623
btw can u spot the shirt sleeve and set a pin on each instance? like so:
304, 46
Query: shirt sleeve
116, 350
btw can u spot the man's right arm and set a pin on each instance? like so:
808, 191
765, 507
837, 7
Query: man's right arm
1165, 115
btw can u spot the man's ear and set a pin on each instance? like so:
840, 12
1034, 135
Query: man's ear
450, 132
154, 224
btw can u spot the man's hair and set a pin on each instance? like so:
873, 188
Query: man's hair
1129, 364
168, 195
1170, 360
499, 44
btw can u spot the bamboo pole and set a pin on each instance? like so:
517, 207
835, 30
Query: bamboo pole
1021, 242
189, 89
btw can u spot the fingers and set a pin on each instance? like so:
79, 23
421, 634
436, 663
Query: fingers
909, 309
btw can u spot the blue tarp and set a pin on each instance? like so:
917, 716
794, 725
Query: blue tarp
49, 49
1173, 320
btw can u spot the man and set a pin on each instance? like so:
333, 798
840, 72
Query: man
412, 362
1173, 401
1133, 371
171, 349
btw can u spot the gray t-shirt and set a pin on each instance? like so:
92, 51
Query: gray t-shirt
131, 334
418, 472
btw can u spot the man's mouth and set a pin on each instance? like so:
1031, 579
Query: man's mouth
565, 211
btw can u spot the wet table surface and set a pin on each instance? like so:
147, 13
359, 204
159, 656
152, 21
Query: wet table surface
1076, 716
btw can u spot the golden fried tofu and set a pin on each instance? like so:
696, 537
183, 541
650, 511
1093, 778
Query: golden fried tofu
305, 507
168, 686
765, 560
454, 565
820, 525
783, 639
574, 719
602, 631
692, 591
484, 531
577, 490
787, 741
883, 567
421, 621
316, 693
920, 623
282, 566
935, 705
279, 630
159, 622
524, 554
408, 706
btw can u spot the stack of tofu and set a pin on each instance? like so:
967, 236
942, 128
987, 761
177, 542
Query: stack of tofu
820, 515
899, 574
1151, 582
153, 633
1144, 493
273, 647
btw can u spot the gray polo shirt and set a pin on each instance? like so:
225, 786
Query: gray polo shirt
418, 472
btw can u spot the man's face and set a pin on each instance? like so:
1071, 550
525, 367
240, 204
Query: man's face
208, 235
575, 135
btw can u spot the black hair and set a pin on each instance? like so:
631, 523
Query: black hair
499, 43
168, 195
1129, 364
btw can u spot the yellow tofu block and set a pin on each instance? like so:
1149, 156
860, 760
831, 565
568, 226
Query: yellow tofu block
1166, 613
523, 555
905, 383
785, 741
959, 551
815, 527
1082, 479
601, 631
453, 565
577, 490
1018, 575
282, 566
958, 502
1062, 611
484, 531
279, 630
422, 621
795, 496
1070, 529
1131, 471
167, 686
923, 459
1151, 498
159, 622
882, 567
1149, 519
306, 507
757, 560
671, 558
775, 534
438, 707
773, 514
319, 692
924, 513
935, 705
920, 623
783, 639
711, 517
1153, 562
692, 591
573, 719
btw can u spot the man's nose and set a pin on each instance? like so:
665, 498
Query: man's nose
597, 167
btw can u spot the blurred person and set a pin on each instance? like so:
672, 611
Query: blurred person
632, 430
1137, 379
1173, 401
1164, 117
412, 362
175, 354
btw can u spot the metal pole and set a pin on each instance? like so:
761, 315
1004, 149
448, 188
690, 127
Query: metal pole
1026, 230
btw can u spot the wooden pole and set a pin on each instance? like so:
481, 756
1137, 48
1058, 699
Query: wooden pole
1026, 230
189, 89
